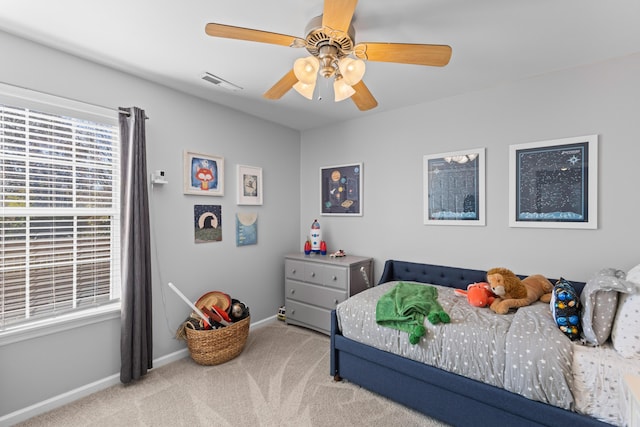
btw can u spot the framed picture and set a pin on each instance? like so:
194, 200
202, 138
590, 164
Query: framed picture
554, 184
249, 185
341, 190
454, 185
203, 174
207, 223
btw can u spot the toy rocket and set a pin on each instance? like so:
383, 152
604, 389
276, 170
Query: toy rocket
316, 236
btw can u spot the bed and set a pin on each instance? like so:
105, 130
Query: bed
457, 398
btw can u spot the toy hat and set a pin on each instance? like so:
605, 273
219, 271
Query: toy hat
215, 298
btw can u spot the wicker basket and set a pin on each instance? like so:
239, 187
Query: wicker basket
215, 346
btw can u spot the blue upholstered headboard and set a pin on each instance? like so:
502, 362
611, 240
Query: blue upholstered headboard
439, 275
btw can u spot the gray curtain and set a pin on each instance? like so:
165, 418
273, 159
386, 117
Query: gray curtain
136, 334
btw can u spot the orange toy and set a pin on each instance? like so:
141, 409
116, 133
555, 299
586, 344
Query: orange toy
478, 294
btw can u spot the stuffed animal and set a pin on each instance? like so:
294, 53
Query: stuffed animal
478, 294
513, 293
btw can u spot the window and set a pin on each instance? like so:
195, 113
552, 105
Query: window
59, 208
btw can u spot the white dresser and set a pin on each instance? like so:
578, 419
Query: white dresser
315, 284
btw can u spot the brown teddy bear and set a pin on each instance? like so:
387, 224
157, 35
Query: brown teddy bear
513, 292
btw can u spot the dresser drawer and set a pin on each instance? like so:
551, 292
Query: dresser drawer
314, 273
314, 295
299, 313
294, 269
335, 277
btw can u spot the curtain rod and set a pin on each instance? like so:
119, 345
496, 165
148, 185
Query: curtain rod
127, 113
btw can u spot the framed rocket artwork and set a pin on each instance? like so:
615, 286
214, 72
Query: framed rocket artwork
203, 174
341, 190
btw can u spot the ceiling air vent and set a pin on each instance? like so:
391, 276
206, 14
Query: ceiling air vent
219, 82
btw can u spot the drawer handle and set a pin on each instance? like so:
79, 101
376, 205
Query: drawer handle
336, 302
293, 271
293, 312
313, 274
293, 291
334, 278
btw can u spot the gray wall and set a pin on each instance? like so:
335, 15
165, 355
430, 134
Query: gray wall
597, 99
34, 370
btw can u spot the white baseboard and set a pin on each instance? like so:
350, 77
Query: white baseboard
57, 401
80, 392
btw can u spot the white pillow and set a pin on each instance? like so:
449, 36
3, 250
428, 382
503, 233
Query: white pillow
634, 275
625, 334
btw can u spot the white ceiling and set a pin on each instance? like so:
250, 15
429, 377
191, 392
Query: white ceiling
493, 42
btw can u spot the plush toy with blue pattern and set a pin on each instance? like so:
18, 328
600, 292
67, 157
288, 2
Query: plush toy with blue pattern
565, 308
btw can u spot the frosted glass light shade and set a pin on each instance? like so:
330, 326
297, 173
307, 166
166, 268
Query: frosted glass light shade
352, 70
305, 89
306, 69
341, 90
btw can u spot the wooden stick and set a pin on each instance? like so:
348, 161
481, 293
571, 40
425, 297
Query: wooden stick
189, 303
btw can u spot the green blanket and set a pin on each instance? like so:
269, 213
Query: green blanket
405, 306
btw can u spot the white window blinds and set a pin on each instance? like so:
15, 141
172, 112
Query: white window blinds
59, 223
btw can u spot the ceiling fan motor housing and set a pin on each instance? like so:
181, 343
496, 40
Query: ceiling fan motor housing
328, 45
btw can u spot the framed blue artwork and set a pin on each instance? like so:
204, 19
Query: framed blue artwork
554, 184
454, 185
203, 174
246, 228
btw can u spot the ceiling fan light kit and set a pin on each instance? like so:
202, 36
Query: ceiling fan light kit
341, 89
352, 70
306, 69
330, 41
305, 90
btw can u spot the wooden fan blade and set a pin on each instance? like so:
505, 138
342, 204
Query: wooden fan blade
363, 98
239, 33
283, 86
405, 53
337, 14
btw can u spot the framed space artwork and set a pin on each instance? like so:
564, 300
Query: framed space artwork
341, 190
554, 184
454, 188
207, 223
203, 174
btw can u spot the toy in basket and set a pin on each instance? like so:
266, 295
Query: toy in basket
217, 330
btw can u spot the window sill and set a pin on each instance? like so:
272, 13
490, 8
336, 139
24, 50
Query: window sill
59, 324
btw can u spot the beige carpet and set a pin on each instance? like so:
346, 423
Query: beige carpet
280, 379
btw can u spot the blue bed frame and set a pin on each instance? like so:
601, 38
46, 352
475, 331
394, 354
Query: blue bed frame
443, 395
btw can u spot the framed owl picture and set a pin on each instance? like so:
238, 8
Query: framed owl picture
249, 185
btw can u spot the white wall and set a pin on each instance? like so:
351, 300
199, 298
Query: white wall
601, 99
34, 370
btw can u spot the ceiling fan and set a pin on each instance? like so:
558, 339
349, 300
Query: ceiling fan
330, 40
